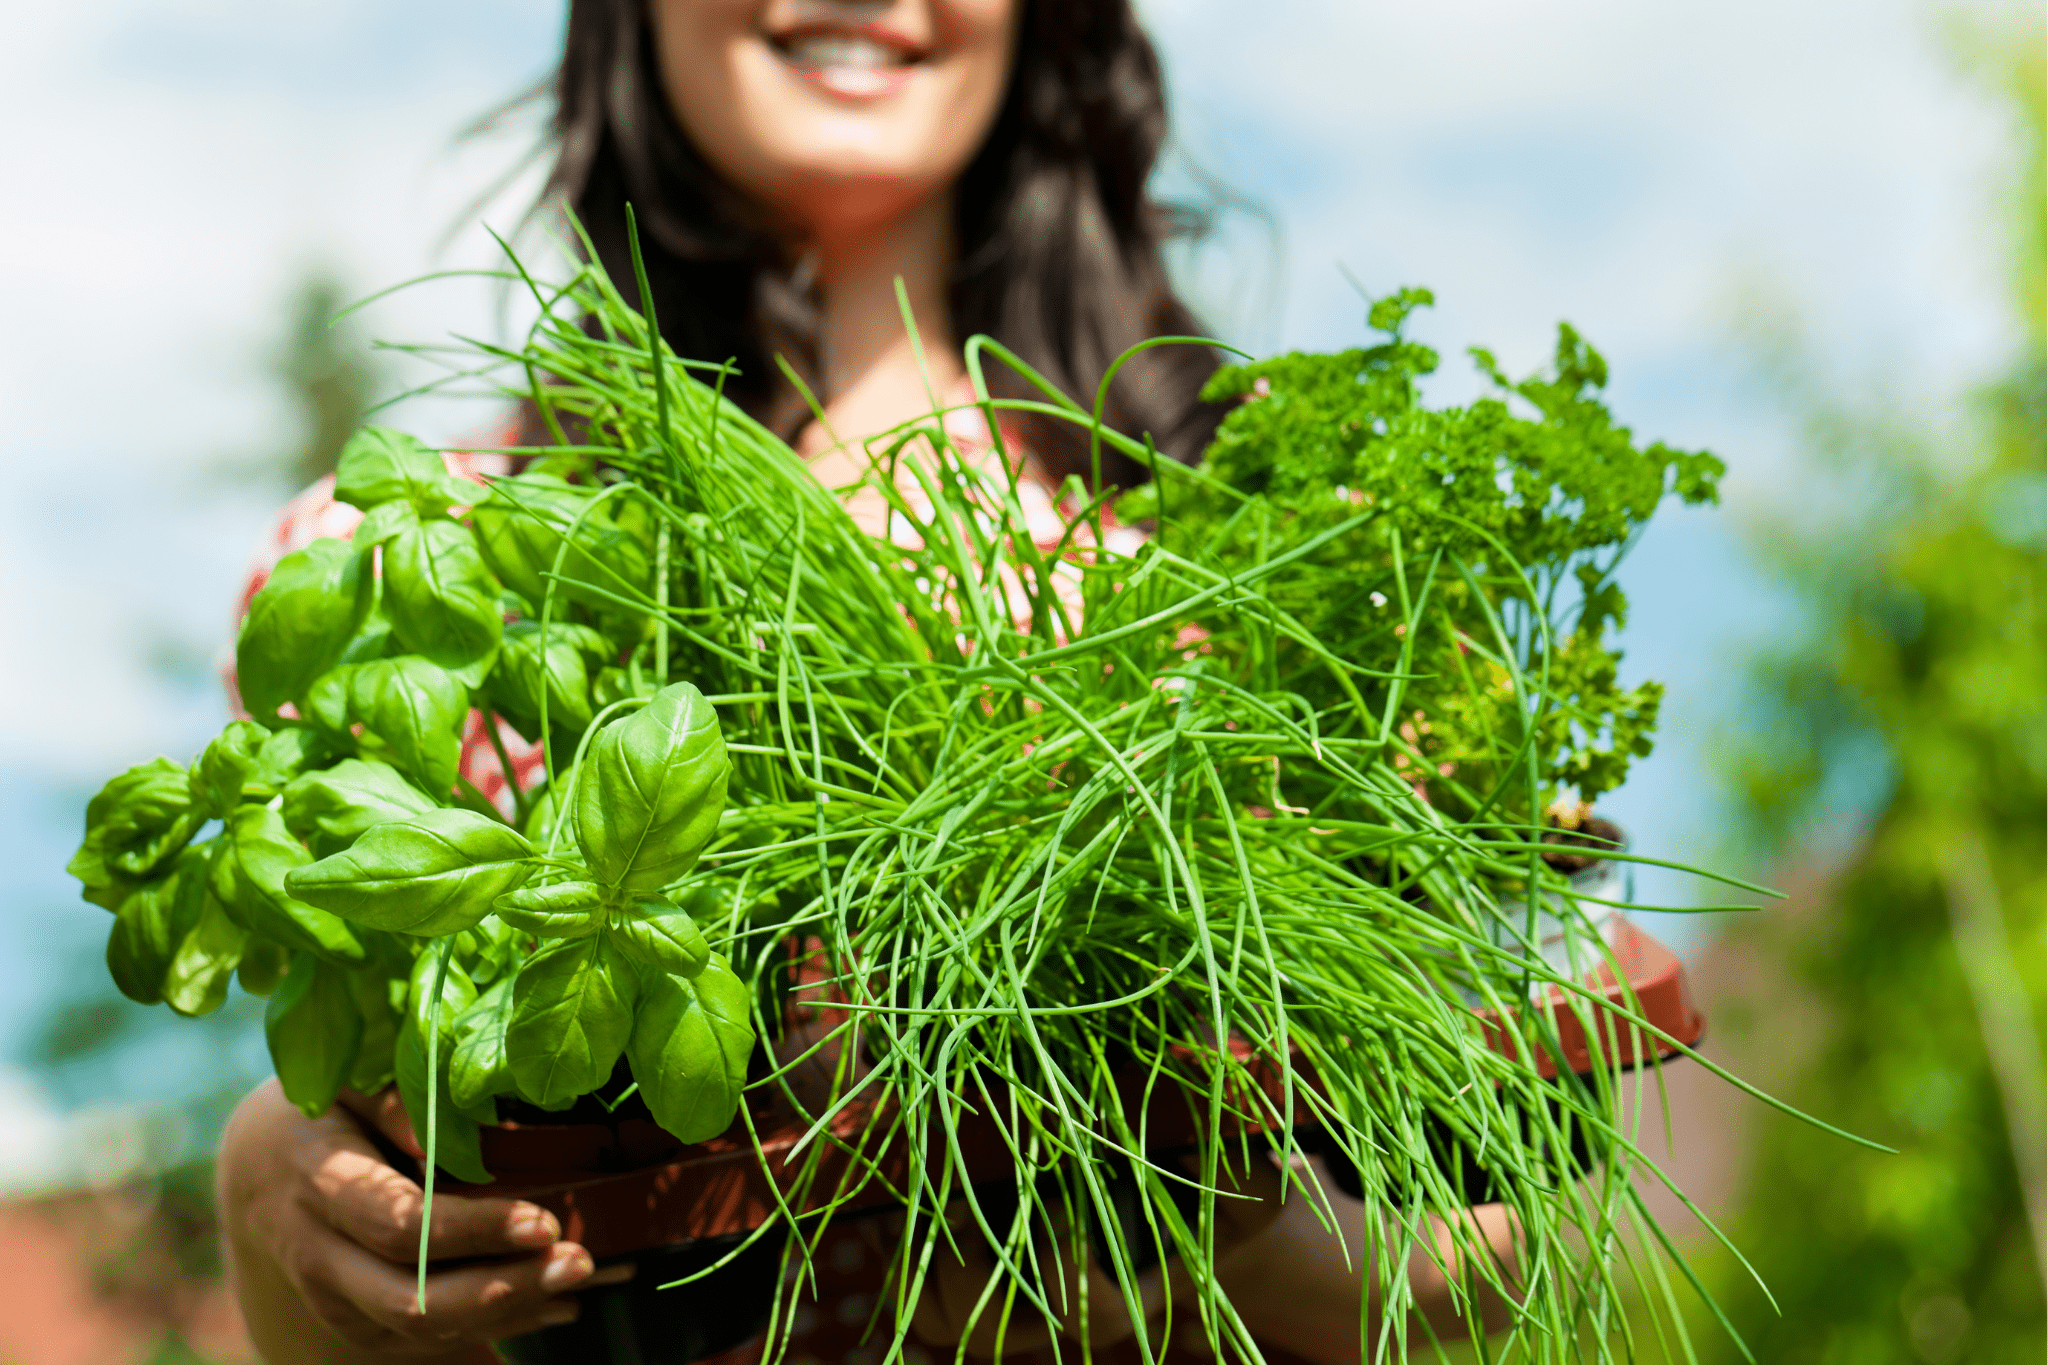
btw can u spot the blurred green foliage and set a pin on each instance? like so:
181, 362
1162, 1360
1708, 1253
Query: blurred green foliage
1918, 694
324, 368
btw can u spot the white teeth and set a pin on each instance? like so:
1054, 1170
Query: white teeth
834, 49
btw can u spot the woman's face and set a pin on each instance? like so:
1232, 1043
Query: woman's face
840, 114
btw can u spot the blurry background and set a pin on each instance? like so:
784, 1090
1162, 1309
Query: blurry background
1807, 237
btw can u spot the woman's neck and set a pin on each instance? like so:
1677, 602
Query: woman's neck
872, 380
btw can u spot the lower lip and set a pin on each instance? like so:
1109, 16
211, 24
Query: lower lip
862, 83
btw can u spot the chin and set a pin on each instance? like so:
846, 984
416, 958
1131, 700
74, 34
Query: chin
850, 189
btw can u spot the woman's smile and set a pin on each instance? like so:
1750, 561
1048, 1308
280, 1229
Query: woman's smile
850, 61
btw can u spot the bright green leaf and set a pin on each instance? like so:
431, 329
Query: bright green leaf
314, 1028
564, 910
525, 671
572, 1013
442, 601
375, 1055
299, 623
416, 710
690, 1047
330, 809
458, 1146
427, 874
220, 780
379, 465
652, 791
384, 521
478, 1071
205, 958
147, 932
263, 966
522, 524
249, 878
655, 934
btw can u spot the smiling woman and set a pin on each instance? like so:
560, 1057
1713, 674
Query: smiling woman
787, 160
790, 164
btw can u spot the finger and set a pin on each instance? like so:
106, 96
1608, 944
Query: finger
474, 1303
361, 1196
384, 1113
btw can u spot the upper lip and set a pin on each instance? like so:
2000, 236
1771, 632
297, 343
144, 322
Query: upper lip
906, 49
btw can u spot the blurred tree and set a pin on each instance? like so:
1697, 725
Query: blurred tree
1918, 696
324, 367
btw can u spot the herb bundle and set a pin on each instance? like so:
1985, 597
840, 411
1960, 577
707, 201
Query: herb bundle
1245, 817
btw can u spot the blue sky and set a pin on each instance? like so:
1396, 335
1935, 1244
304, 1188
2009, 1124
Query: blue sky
1646, 168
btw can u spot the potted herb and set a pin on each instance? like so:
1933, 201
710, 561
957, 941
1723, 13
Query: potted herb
1081, 849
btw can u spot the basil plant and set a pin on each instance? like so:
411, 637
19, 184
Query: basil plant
387, 910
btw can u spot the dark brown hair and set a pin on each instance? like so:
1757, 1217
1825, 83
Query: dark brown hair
1059, 240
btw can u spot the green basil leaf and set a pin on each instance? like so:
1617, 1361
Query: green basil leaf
299, 623
137, 823
572, 1011
249, 878
429, 874
491, 949
564, 910
522, 524
652, 790
147, 932
89, 863
442, 601
325, 702
314, 1028
289, 752
415, 710
384, 521
458, 1149
205, 958
331, 809
561, 670
478, 1072
263, 966
690, 1046
374, 1065
374, 639
655, 934
220, 779
379, 465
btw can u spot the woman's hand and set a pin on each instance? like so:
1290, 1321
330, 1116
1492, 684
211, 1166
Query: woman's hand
322, 1233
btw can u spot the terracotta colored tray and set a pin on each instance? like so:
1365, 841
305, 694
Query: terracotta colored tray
1663, 997
628, 1188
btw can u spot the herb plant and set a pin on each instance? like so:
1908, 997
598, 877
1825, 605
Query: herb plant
1057, 821
1504, 523
400, 926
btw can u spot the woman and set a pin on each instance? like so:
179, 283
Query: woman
788, 162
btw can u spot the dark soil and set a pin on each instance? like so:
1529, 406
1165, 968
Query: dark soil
1592, 833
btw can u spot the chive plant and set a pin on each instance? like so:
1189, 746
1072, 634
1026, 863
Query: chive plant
1229, 821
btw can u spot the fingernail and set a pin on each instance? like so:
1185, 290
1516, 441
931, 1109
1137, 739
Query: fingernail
564, 1271
534, 1227
612, 1274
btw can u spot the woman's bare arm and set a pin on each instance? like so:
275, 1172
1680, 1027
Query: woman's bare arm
321, 1234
